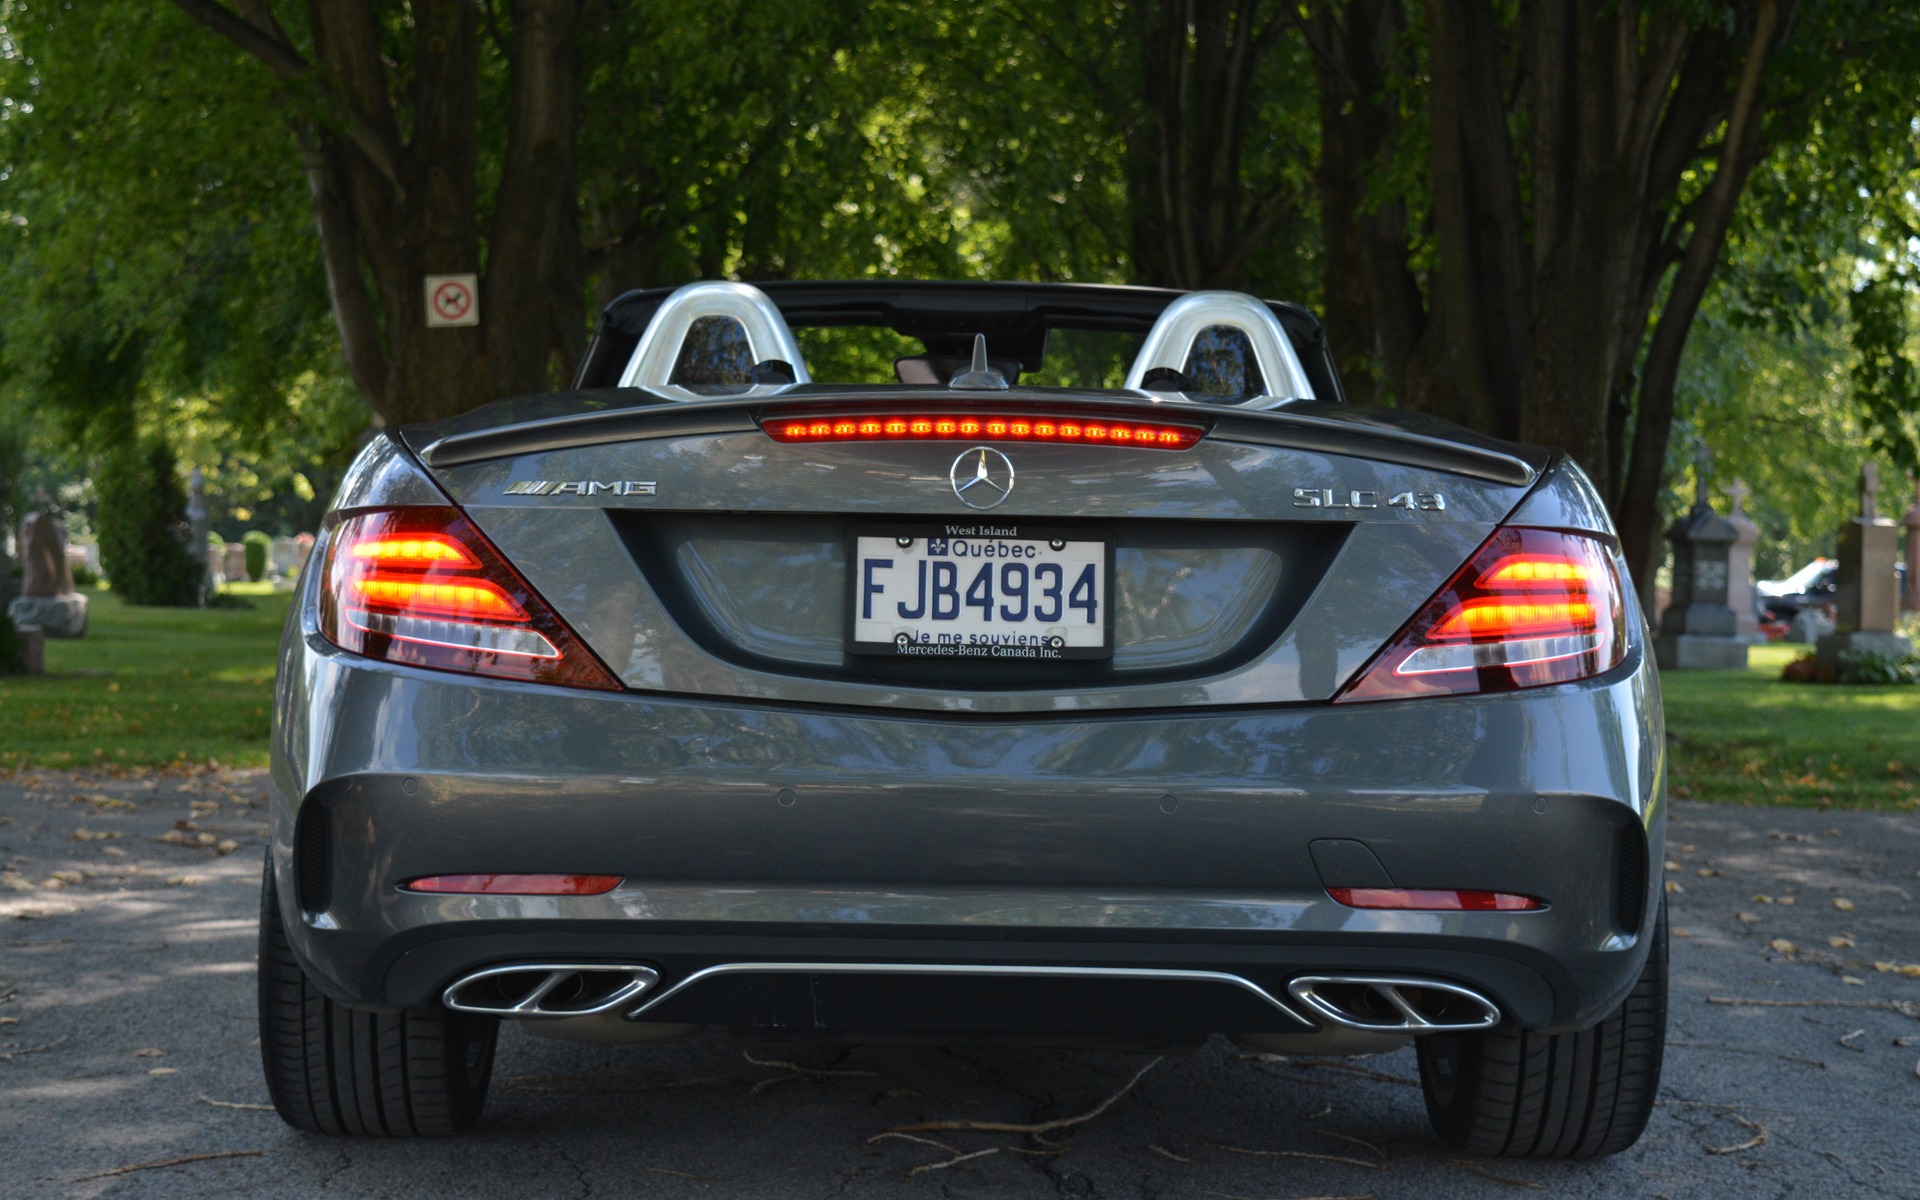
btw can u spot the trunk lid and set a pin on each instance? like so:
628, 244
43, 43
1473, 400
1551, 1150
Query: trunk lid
698, 555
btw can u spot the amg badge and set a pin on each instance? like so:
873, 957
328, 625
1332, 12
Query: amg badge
580, 487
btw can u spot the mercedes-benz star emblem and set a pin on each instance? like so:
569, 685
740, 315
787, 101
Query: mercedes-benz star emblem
982, 477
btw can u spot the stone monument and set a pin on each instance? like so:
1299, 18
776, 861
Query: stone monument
47, 598
1698, 631
1740, 594
6, 561
1912, 522
1867, 598
197, 531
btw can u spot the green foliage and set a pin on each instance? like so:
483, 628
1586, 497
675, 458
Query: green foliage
84, 576
1867, 667
143, 527
258, 543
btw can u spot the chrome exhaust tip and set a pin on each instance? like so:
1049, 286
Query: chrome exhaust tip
536, 990
1394, 1003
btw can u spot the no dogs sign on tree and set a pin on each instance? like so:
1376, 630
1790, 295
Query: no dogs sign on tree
452, 300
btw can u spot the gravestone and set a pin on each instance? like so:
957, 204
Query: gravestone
1740, 594
197, 527
1866, 597
283, 560
6, 559
1912, 522
1699, 631
47, 598
233, 559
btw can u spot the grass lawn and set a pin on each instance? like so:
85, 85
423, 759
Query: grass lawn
1744, 736
149, 686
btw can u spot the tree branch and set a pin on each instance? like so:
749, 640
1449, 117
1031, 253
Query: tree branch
270, 45
353, 311
1739, 151
264, 43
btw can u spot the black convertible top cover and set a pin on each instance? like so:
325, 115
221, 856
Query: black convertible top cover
945, 316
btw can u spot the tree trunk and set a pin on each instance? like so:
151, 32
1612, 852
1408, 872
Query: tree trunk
1193, 220
393, 208
1559, 151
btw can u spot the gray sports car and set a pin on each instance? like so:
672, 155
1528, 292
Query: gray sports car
1098, 678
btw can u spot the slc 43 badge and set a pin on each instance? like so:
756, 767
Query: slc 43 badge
1361, 498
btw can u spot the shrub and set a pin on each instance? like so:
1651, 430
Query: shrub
258, 546
84, 576
1864, 666
143, 527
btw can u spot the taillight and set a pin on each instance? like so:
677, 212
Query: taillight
1434, 900
515, 885
1531, 607
423, 586
915, 427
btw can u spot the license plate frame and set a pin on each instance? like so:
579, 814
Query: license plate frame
1074, 551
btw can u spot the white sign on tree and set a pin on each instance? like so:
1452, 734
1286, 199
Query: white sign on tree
452, 300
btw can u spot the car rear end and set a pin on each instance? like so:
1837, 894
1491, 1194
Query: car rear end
1308, 727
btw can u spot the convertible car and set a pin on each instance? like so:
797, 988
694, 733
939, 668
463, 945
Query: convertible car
1061, 665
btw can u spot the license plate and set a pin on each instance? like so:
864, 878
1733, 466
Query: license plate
1005, 592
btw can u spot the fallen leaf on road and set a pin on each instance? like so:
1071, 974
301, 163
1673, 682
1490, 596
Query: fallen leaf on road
93, 835
227, 847
1748, 917
1843, 904
158, 1071
1782, 946
1672, 865
150, 1052
1839, 941
1674, 887
1680, 931
1707, 872
1884, 967
1849, 1039
1763, 899
1850, 981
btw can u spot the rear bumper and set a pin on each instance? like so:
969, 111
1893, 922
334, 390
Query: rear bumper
1164, 841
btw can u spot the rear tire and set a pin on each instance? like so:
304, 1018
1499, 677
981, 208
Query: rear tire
1521, 1094
339, 1070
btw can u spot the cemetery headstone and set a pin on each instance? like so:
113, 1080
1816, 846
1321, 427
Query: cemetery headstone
1698, 631
47, 598
1866, 597
233, 558
33, 649
6, 560
197, 524
283, 561
1740, 594
1912, 522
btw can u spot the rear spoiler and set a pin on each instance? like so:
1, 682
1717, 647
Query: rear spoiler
1319, 427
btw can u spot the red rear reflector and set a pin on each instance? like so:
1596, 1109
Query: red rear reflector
422, 586
516, 885
1159, 435
1434, 900
1531, 607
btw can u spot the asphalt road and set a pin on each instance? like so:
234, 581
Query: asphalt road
127, 1039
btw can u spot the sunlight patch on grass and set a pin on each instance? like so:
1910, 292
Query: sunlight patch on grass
149, 686
1747, 737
